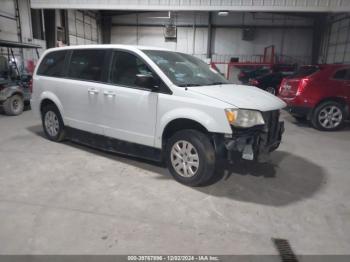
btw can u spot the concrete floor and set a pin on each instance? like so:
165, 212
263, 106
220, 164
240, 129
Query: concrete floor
63, 198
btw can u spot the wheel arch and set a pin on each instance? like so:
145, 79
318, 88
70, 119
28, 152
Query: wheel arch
13, 91
180, 124
337, 99
49, 98
190, 118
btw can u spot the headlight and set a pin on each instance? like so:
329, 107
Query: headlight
244, 118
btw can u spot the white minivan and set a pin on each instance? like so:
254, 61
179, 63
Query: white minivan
155, 104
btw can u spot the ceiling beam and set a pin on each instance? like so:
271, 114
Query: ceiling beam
199, 5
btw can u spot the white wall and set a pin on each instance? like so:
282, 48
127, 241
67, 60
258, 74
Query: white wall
83, 27
9, 31
295, 42
8, 25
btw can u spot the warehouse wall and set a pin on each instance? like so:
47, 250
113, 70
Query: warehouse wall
8, 23
83, 27
145, 29
337, 39
19, 29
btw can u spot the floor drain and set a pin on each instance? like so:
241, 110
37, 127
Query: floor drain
285, 250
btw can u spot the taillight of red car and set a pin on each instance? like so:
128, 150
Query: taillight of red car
30, 85
302, 84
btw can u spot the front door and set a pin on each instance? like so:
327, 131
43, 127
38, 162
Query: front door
130, 111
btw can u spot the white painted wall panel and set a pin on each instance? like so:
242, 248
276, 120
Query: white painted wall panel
83, 27
8, 29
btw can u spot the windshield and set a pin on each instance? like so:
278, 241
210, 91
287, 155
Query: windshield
185, 70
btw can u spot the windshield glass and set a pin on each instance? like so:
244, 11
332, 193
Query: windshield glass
185, 70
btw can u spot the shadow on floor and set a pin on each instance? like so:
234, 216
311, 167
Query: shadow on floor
285, 179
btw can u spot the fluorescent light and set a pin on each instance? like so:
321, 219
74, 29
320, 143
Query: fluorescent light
223, 13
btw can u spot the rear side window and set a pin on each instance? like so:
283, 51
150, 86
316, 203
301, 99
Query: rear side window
343, 74
86, 64
52, 64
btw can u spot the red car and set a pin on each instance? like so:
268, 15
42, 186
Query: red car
319, 93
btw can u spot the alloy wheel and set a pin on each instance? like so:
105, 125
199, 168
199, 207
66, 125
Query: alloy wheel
184, 158
330, 117
51, 123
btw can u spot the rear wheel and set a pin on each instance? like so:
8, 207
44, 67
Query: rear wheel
53, 123
329, 116
13, 105
190, 157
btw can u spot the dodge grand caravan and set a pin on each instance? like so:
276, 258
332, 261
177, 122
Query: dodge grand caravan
155, 104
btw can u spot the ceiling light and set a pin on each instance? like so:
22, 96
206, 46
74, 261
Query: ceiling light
223, 13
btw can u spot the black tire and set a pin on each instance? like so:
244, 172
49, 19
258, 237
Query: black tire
319, 112
60, 134
205, 154
13, 105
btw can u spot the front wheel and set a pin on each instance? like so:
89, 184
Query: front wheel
329, 116
190, 157
14, 105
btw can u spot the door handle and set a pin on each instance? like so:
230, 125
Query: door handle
109, 93
93, 91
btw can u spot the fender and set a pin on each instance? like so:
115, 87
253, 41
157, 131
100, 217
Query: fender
9, 91
51, 96
214, 125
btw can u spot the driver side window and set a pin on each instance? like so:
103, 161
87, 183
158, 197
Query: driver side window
125, 68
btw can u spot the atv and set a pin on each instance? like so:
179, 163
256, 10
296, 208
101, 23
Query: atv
15, 87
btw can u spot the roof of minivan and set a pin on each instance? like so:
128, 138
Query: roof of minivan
126, 47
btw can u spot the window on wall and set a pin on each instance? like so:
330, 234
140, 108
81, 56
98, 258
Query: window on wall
52, 64
37, 24
126, 67
86, 65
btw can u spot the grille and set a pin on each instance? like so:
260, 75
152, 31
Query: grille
271, 121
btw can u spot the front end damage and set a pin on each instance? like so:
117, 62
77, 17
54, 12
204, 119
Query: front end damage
253, 143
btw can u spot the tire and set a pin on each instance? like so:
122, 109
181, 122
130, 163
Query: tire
329, 116
271, 90
203, 157
13, 105
52, 123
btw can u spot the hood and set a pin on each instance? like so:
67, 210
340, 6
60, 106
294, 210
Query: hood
240, 96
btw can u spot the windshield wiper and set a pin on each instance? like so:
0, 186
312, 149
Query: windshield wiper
187, 85
217, 83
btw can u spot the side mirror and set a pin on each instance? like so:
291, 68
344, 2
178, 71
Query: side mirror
147, 81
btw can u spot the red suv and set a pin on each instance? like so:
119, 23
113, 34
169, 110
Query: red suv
320, 93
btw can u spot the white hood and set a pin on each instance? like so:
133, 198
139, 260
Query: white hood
240, 96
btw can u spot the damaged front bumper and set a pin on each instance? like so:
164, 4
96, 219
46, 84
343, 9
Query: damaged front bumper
252, 143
